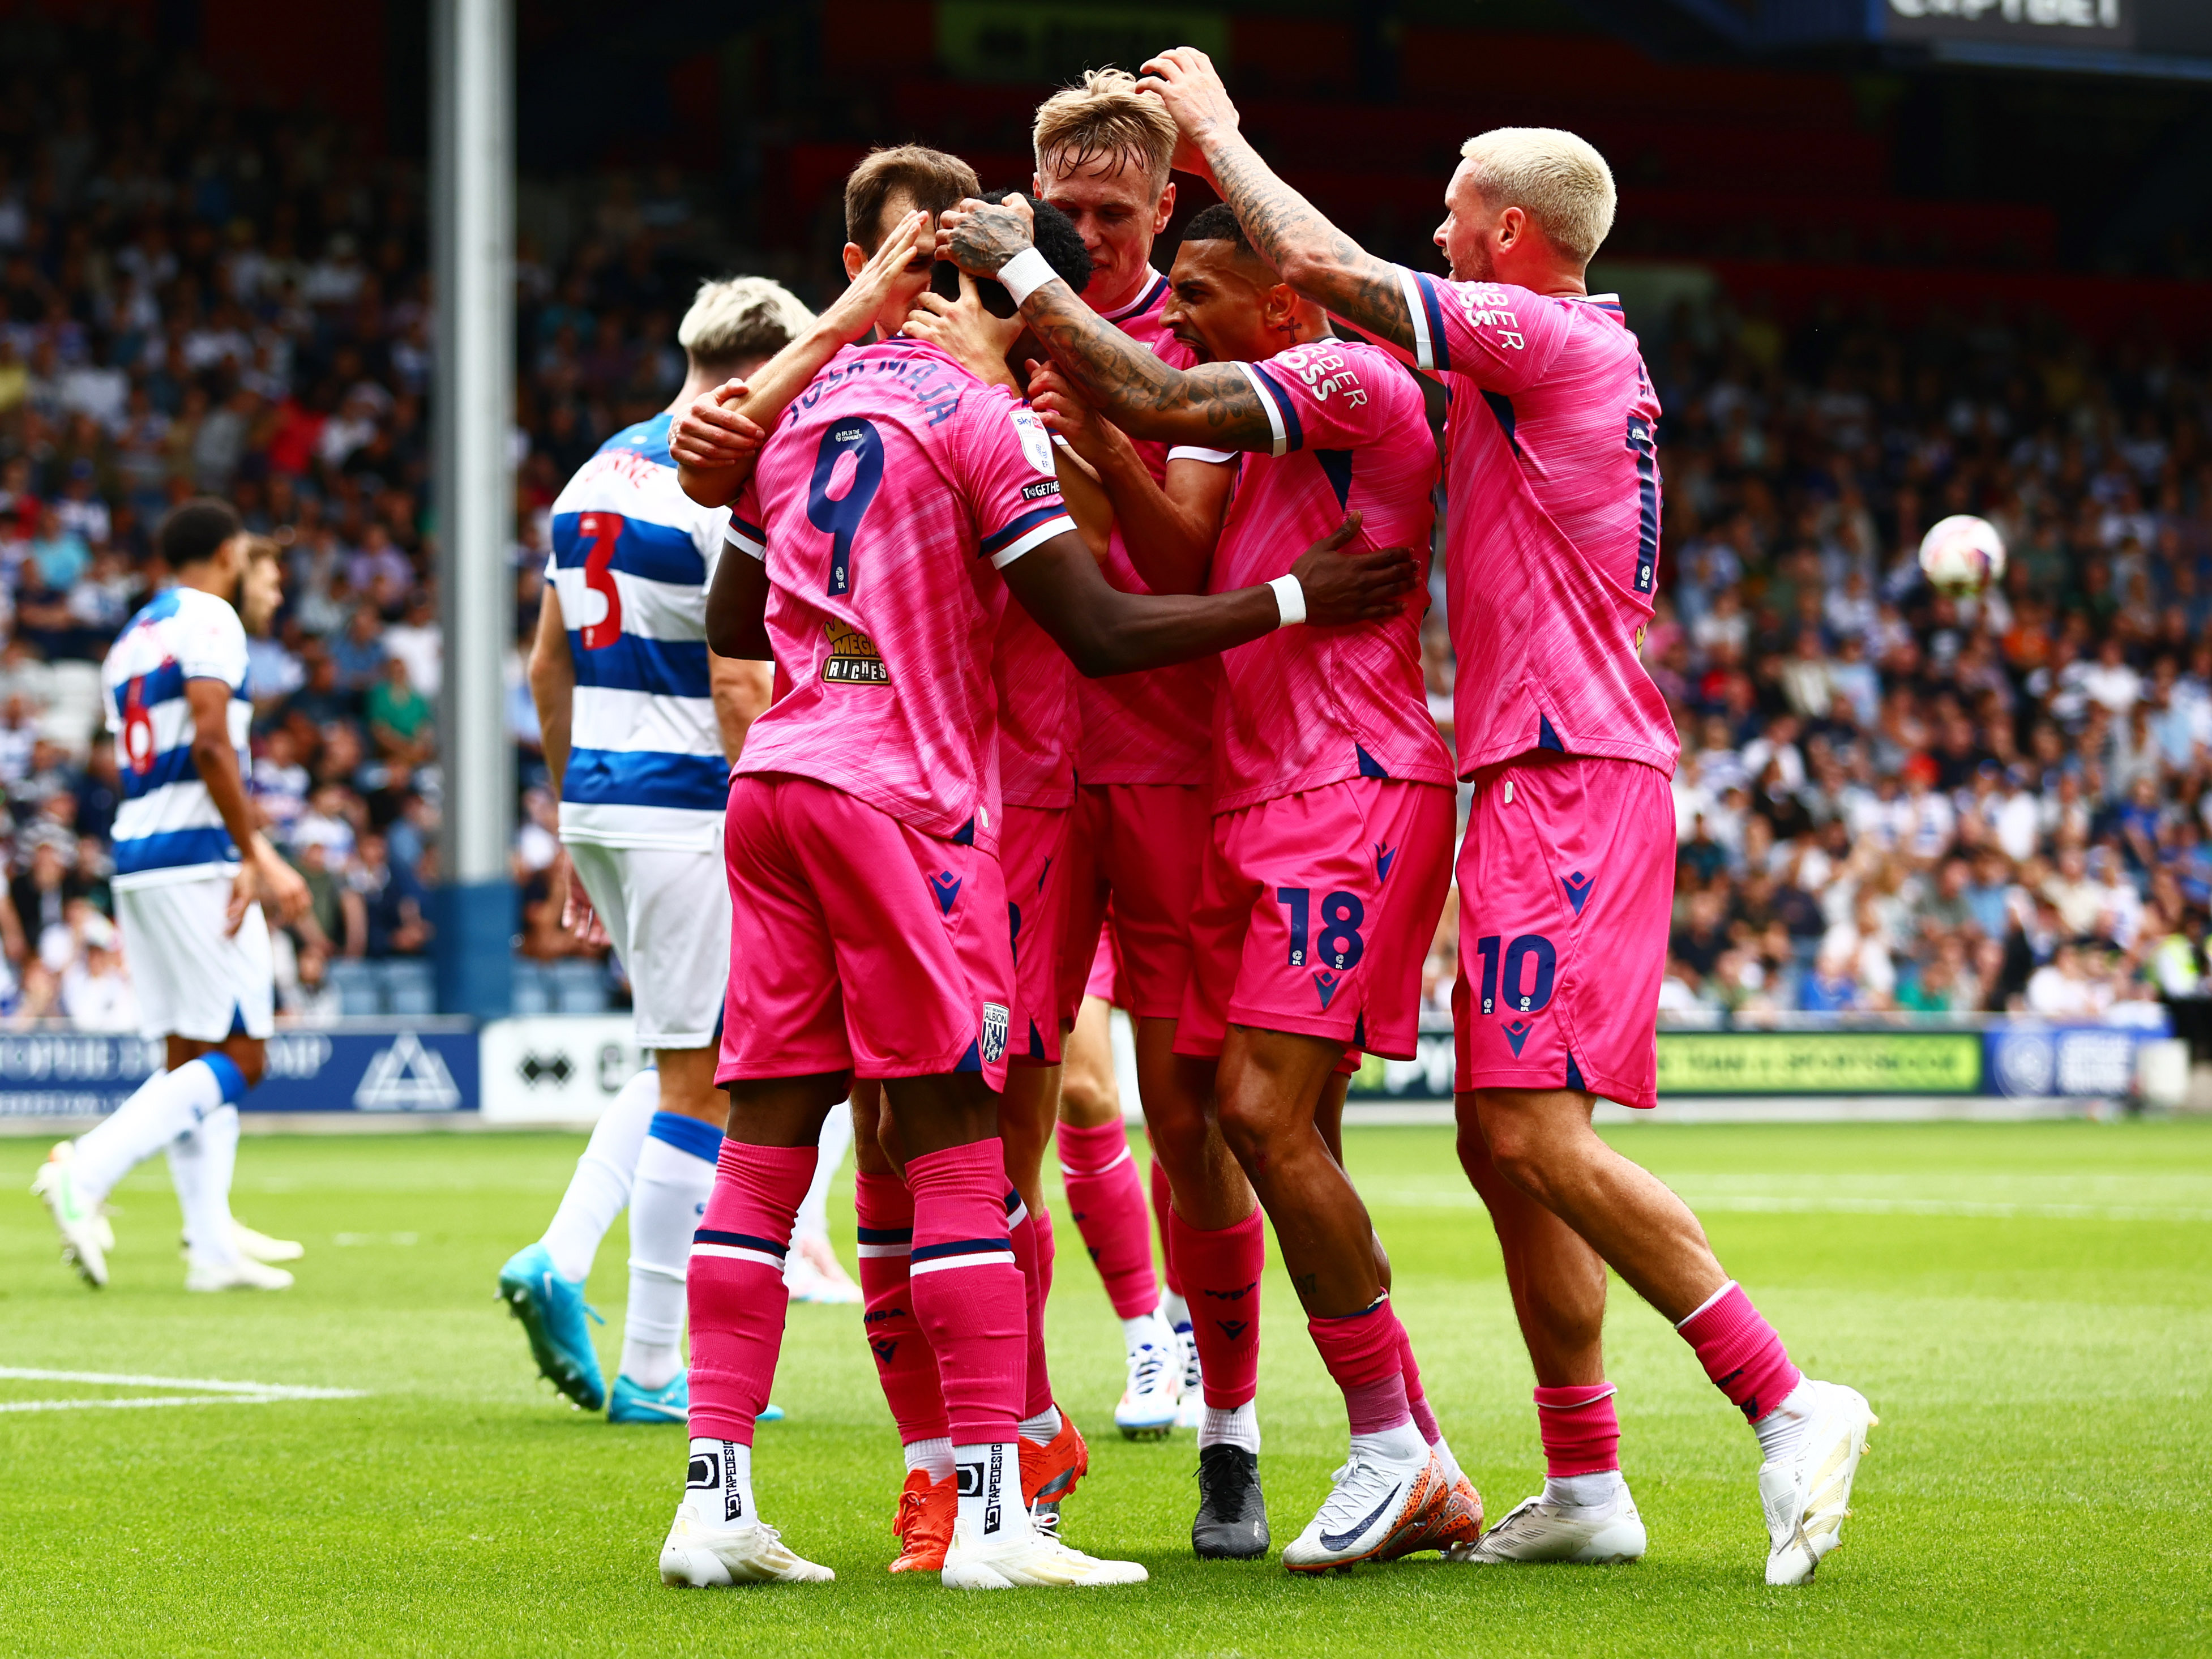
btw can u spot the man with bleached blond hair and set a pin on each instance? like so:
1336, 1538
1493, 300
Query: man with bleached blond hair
1566, 870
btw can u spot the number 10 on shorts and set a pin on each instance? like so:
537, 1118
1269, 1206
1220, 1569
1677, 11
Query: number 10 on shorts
1518, 954
1341, 912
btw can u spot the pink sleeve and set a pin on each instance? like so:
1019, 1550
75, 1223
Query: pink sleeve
1004, 459
745, 533
1330, 395
1499, 337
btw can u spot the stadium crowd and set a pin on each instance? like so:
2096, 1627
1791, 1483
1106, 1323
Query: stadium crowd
1888, 799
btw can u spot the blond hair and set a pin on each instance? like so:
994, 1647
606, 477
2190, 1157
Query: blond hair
1106, 119
1559, 179
740, 320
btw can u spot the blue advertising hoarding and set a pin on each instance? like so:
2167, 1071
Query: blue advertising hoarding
395, 1066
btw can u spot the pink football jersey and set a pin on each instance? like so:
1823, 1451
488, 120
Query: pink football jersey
1036, 685
1551, 537
1309, 706
883, 505
1151, 726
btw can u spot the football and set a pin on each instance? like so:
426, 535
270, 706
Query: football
1962, 554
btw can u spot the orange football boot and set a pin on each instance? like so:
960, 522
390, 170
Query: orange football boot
923, 1525
1050, 1473
1457, 1519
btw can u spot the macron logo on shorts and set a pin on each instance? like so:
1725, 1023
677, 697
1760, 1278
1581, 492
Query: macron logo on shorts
1579, 888
946, 886
1326, 980
1517, 1033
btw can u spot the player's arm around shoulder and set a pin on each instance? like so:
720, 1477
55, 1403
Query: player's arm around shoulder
1311, 254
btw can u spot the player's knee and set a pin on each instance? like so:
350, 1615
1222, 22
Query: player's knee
251, 1059
1250, 1127
1515, 1147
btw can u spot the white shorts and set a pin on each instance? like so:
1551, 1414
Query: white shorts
191, 981
667, 911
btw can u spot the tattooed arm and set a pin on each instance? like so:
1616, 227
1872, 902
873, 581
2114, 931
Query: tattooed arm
1315, 258
1214, 405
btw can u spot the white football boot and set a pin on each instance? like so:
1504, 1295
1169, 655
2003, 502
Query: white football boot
85, 1235
259, 1247
1148, 1408
1807, 1495
1375, 1501
1033, 1559
698, 1555
1190, 1406
239, 1273
1538, 1529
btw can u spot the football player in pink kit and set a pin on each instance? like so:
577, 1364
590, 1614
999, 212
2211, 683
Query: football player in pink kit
1137, 836
1564, 878
871, 936
1331, 851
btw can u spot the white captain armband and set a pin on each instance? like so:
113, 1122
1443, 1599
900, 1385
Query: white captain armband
1290, 600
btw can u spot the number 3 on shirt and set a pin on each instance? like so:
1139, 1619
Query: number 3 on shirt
600, 532
861, 475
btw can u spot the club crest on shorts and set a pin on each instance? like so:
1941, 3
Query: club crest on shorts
993, 1037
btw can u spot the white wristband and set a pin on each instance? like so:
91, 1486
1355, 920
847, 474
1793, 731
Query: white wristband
1025, 273
1289, 600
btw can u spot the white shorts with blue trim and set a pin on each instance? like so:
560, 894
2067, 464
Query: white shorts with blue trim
666, 909
191, 980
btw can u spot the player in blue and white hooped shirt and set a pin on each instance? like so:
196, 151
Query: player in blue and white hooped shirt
641, 724
192, 878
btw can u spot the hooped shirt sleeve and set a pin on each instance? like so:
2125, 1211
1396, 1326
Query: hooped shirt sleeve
1501, 337
211, 644
1329, 394
1003, 460
745, 532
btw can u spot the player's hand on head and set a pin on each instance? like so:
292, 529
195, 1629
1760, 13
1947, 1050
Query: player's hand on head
1184, 79
852, 313
1352, 587
980, 238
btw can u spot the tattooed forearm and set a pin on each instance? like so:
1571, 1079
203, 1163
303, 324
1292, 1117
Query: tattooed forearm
1212, 403
1315, 257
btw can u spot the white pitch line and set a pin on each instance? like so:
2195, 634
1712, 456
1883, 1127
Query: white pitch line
209, 1391
198, 1384
142, 1401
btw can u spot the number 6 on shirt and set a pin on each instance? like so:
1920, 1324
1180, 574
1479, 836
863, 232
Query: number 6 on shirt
851, 453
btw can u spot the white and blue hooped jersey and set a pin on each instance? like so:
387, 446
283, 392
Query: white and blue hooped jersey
167, 827
632, 556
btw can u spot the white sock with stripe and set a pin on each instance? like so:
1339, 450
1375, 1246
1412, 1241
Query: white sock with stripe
668, 1197
167, 1104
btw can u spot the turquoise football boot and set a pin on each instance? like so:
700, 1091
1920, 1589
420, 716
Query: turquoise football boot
632, 1402
552, 1312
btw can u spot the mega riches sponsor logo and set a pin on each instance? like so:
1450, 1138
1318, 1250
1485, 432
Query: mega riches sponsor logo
852, 659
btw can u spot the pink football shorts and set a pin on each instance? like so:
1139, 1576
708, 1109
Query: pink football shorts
1032, 841
1316, 914
1105, 981
1566, 883
1141, 845
857, 942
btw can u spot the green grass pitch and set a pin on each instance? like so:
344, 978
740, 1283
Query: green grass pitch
2028, 1307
